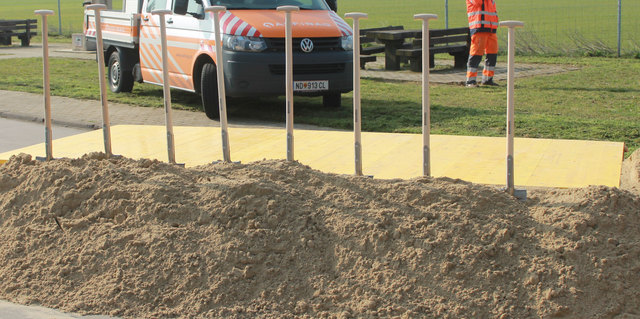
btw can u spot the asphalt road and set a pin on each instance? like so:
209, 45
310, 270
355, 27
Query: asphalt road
14, 311
16, 134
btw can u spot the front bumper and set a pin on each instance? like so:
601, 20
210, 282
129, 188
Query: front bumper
263, 73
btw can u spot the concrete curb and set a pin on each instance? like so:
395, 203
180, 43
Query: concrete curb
27, 118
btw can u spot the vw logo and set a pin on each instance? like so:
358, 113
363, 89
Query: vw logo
306, 45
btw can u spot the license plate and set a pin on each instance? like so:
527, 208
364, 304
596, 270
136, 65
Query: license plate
310, 85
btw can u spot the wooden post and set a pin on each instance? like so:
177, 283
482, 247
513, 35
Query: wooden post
47, 91
222, 100
357, 110
510, 104
106, 125
166, 85
289, 76
426, 104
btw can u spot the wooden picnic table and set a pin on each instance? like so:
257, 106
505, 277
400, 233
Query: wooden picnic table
23, 29
455, 41
392, 40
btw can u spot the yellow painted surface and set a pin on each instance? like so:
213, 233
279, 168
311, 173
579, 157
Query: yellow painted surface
538, 162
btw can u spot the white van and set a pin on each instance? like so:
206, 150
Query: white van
253, 44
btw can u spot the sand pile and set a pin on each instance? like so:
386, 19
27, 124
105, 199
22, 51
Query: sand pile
274, 240
630, 177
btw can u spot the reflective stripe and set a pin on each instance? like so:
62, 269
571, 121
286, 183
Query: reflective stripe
345, 29
473, 70
231, 24
483, 22
482, 12
489, 68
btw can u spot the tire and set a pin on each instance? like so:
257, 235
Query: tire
209, 91
332, 100
120, 80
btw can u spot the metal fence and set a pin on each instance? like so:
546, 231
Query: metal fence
584, 27
589, 27
551, 26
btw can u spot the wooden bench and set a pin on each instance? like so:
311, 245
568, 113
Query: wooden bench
23, 29
455, 41
368, 51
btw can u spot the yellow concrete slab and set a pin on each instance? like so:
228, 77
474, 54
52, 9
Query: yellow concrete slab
538, 162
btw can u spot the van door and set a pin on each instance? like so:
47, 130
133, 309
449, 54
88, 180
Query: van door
150, 47
186, 30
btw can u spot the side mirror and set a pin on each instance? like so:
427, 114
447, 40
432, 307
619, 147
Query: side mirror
333, 5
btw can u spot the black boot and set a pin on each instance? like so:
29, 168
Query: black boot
490, 82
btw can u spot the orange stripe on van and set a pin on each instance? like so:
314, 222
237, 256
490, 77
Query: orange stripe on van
121, 29
306, 23
153, 62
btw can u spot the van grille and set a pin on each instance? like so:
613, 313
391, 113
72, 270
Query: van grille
319, 44
309, 68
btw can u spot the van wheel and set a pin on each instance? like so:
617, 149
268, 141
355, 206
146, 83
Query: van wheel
209, 91
119, 79
332, 100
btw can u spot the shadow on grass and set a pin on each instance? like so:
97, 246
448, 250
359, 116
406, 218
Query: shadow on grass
189, 99
591, 89
377, 115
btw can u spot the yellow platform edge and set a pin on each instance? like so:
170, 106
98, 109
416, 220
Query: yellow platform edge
538, 162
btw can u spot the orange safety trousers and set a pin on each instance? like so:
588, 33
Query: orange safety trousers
482, 43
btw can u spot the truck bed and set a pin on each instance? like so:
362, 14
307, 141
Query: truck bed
118, 27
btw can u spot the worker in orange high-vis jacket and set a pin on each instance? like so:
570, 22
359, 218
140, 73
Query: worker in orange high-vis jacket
483, 24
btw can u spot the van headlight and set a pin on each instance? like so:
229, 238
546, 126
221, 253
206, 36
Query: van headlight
347, 43
242, 43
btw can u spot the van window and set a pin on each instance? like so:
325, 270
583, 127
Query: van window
196, 9
189, 7
270, 4
156, 4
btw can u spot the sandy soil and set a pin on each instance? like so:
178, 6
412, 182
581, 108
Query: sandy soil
630, 177
274, 239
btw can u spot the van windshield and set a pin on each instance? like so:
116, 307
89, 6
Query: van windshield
270, 4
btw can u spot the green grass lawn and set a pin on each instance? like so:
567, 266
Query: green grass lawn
552, 26
597, 102
71, 12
